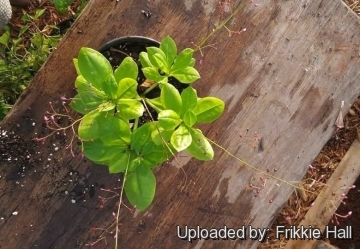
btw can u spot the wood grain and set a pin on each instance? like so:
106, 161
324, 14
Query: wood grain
282, 79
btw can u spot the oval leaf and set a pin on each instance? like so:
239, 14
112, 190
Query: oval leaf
93, 66
186, 75
189, 118
183, 60
161, 63
127, 89
152, 73
200, 148
170, 98
130, 108
127, 69
119, 162
81, 84
88, 127
110, 86
160, 136
168, 46
168, 119
85, 102
208, 109
152, 51
153, 155
144, 60
140, 187
113, 129
181, 138
189, 98
98, 151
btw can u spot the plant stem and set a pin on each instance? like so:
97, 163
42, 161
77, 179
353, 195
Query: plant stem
136, 124
150, 88
221, 25
120, 202
259, 170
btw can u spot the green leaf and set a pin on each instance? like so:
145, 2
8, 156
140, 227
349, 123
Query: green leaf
183, 60
186, 75
170, 98
134, 162
141, 135
81, 84
168, 119
94, 67
130, 108
144, 60
161, 63
168, 46
189, 118
140, 187
160, 136
200, 148
76, 65
208, 109
98, 151
39, 13
158, 61
88, 127
62, 5
85, 102
152, 73
127, 69
152, 155
4, 38
192, 62
110, 86
155, 103
127, 89
119, 162
189, 98
113, 129
105, 107
181, 138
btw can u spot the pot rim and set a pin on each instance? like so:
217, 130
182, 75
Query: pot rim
130, 39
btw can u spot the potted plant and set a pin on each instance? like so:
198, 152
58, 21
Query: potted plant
140, 109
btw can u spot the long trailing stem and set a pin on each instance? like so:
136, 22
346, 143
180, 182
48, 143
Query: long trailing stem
252, 167
120, 203
203, 41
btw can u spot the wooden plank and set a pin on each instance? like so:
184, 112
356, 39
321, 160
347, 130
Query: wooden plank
328, 200
284, 79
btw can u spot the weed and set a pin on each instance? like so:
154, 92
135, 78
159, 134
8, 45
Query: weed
18, 64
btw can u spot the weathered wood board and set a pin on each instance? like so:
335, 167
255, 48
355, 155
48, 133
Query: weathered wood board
282, 79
